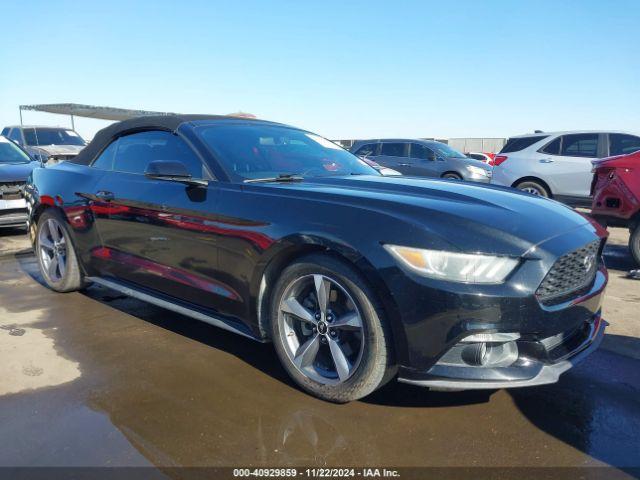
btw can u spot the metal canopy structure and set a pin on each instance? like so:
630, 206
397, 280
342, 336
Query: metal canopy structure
102, 113
89, 111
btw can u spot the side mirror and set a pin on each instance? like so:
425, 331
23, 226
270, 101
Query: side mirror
171, 171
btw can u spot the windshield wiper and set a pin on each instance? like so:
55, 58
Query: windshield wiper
284, 178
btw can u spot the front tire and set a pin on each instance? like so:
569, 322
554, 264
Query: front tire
329, 332
634, 243
56, 254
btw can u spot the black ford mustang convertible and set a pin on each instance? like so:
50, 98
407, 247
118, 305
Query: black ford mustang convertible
280, 235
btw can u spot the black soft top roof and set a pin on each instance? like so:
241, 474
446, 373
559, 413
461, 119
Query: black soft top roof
169, 123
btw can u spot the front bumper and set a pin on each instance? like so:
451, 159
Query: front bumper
472, 177
13, 213
435, 319
525, 372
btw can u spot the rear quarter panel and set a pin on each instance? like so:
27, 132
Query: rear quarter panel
65, 187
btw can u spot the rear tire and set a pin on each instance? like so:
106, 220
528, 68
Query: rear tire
56, 254
534, 188
634, 243
348, 350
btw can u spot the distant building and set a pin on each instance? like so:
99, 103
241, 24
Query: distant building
486, 145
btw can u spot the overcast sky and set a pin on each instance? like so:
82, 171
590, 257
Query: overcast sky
343, 69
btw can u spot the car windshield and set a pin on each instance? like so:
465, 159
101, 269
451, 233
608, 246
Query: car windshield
268, 151
445, 150
9, 153
52, 136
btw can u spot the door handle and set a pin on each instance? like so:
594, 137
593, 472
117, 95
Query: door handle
404, 164
545, 160
104, 196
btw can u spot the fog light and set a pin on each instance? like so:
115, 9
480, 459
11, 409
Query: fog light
490, 354
475, 354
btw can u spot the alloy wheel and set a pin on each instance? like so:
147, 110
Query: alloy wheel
321, 329
52, 247
532, 190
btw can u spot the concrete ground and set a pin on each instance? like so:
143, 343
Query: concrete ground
622, 301
98, 379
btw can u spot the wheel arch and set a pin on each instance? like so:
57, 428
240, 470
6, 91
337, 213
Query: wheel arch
533, 179
451, 172
38, 211
634, 221
34, 216
279, 260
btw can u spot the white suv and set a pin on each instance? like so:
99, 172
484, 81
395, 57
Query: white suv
558, 164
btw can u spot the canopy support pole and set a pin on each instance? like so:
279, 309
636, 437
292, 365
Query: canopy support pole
73, 126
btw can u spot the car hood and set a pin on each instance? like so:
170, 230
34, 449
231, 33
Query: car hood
58, 149
16, 172
462, 214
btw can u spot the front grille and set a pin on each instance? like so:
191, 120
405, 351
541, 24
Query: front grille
570, 275
11, 190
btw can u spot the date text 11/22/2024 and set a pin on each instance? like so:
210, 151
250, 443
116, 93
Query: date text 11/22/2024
316, 472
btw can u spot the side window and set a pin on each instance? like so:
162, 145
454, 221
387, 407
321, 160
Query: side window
421, 152
580, 145
520, 143
553, 147
105, 159
5, 131
394, 149
368, 149
16, 136
622, 144
137, 150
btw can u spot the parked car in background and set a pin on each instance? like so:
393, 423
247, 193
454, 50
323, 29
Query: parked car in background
485, 157
558, 165
422, 158
616, 195
48, 145
279, 235
382, 170
15, 167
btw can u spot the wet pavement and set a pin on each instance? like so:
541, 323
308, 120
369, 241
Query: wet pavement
103, 380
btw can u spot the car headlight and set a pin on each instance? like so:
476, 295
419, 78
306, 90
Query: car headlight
473, 170
455, 267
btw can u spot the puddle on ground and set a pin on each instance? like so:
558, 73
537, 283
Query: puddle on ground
30, 359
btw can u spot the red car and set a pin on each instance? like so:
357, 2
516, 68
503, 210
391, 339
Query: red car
485, 157
616, 195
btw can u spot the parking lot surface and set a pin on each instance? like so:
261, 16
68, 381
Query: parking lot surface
98, 379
